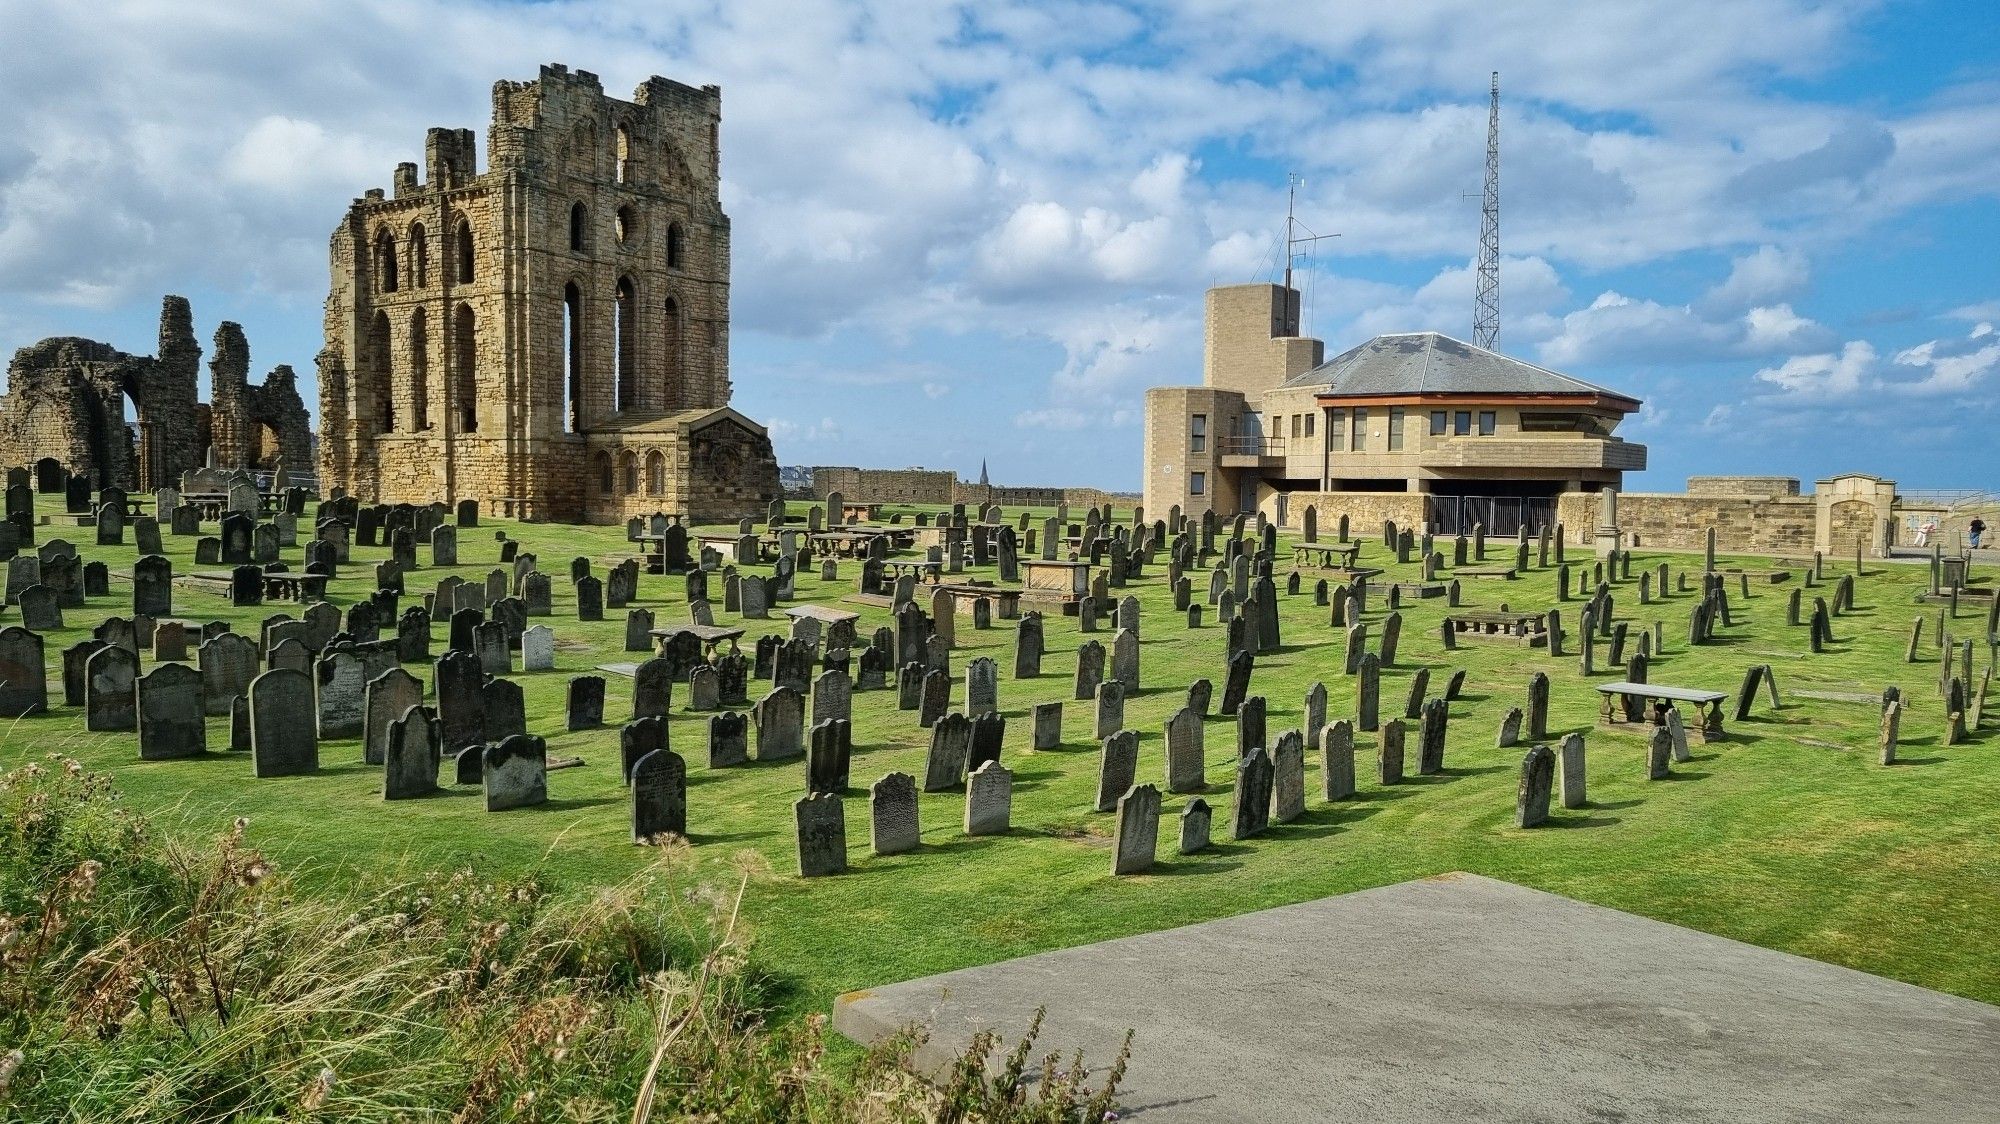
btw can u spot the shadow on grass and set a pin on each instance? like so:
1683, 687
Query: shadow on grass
576, 803
1919, 761
699, 837
1555, 820
1193, 864
1685, 775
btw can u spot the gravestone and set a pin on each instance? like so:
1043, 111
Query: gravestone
989, 799
821, 834
1048, 725
110, 676
23, 676
1185, 760
1288, 777
282, 743
583, 704
410, 756
1337, 760
659, 796
950, 752
1117, 768
515, 772
728, 739
171, 722
893, 814
780, 718
228, 663
1571, 761
1195, 823
829, 750
1389, 753
1136, 840
1531, 801
388, 697
1250, 805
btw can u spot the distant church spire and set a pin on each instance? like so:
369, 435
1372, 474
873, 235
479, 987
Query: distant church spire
983, 482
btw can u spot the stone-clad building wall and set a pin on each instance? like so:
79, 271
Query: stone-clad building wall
67, 402
499, 335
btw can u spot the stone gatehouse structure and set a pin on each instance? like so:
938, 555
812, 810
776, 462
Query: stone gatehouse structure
67, 398
549, 337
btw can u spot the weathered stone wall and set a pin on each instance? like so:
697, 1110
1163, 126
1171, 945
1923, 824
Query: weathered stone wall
885, 485
1040, 497
1743, 486
67, 400
1365, 511
1746, 524
487, 334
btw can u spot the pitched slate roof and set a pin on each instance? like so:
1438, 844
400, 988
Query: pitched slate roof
1434, 363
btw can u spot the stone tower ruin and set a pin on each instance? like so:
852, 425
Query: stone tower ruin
68, 400
549, 337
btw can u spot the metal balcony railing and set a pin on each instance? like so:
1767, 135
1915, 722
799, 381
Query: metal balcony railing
1253, 446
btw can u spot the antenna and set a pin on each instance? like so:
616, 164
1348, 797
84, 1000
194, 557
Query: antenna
1292, 224
1486, 303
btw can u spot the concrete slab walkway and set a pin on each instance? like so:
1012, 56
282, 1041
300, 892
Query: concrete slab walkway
1461, 998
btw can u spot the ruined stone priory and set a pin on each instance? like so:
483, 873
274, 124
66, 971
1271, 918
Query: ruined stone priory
549, 337
65, 410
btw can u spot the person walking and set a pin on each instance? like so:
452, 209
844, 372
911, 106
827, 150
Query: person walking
1976, 529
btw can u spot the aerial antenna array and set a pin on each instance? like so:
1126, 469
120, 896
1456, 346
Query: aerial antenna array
1292, 228
1486, 302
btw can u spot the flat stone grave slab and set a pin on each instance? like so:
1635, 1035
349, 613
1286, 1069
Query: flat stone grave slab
1420, 589
1487, 573
1464, 998
1773, 577
628, 670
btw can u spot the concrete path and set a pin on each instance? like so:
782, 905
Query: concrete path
1460, 998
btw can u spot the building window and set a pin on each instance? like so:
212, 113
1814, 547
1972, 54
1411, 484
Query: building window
1461, 423
628, 465
1309, 425
572, 397
1336, 429
1198, 433
1360, 430
1197, 483
624, 344
1298, 427
420, 371
382, 400
628, 224
385, 261
676, 246
656, 474
464, 251
622, 142
420, 257
1396, 429
579, 228
604, 479
670, 363
464, 374
1487, 420
1437, 423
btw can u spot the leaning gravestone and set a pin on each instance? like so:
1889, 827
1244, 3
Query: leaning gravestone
1250, 806
1531, 802
1138, 834
1117, 767
386, 699
228, 663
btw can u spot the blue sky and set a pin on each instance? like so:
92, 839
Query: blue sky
970, 231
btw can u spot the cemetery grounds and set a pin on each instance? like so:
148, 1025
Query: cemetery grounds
1788, 834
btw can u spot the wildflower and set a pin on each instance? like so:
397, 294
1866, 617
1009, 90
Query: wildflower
318, 1091
9, 1062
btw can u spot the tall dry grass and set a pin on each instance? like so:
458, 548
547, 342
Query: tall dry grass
147, 978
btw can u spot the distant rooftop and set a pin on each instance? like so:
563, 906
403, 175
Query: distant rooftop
1434, 363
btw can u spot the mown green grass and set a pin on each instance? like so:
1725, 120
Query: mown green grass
1787, 835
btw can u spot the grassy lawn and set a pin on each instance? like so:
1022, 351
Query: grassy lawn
1786, 835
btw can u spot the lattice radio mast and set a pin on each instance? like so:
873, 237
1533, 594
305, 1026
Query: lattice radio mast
1486, 302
